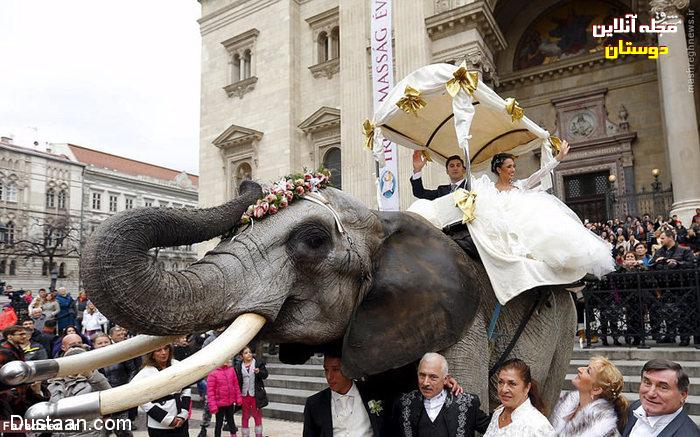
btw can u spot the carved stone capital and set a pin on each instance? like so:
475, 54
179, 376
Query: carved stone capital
668, 7
240, 88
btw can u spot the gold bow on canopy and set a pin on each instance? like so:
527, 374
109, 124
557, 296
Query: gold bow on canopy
512, 108
556, 144
466, 201
411, 102
466, 80
368, 130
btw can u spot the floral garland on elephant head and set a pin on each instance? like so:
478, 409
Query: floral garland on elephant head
287, 190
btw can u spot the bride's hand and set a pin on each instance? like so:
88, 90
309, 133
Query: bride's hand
563, 151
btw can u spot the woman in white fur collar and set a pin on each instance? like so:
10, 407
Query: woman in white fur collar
597, 407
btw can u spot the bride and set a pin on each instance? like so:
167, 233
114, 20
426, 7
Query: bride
527, 237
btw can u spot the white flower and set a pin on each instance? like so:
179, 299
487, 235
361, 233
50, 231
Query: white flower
375, 407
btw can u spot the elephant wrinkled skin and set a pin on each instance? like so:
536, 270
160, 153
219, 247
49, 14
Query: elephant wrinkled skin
391, 288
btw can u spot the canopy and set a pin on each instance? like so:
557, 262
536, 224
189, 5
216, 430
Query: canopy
447, 110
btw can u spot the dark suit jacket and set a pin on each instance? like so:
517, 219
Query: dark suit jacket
317, 414
681, 426
464, 409
422, 193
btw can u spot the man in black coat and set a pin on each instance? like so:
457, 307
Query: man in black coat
670, 254
433, 411
344, 406
455, 170
659, 410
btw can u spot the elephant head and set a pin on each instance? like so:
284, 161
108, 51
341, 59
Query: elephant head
389, 278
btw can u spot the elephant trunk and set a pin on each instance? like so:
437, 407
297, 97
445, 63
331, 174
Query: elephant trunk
125, 282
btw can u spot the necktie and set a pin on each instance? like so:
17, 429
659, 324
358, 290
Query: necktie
454, 187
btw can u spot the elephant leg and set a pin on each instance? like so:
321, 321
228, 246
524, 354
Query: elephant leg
554, 381
468, 360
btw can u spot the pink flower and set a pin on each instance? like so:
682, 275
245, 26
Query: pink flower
300, 190
265, 206
259, 212
289, 194
307, 186
273, 209
299, 182
307, 176
284, 202
289, 185
270, 198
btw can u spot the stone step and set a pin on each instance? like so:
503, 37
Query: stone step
315, 370
297, 382
620, 353
278, 410
634, 367
632, 383
288, 395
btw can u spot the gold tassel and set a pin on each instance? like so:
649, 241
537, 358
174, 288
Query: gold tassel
411, 102
556, 144
426, 155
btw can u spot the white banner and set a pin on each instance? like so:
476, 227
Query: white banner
382, 83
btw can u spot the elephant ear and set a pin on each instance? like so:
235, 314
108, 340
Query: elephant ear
424, 295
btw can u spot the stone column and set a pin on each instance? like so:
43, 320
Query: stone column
680, 122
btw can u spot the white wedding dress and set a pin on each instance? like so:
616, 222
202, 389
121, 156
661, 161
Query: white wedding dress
527, 237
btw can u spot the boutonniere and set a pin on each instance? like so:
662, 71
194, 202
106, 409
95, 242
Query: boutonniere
375, 407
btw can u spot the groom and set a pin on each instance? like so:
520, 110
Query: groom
455, 170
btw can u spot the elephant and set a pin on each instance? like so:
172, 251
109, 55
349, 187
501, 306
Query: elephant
388, 286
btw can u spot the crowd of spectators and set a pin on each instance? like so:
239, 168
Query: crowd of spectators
636, 240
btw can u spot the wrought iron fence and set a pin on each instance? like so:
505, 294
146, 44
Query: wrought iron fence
657, 202
639, 305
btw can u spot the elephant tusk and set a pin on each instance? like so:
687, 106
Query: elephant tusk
22, 372
192, 369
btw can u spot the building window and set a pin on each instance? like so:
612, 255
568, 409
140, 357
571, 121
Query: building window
62, 270
112, 203
10, 233
11, 192
13, 267
50, 198
128, 203
3, 267
45, 268
332, 161
326, 42
147, 202
62, 199
241, 50
97, 201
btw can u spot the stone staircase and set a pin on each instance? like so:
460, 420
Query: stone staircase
288, 386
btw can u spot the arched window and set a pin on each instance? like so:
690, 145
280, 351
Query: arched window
62, 199
3, 266
62, 270
13, 267
247, 58
335, 43
323, 47
331, 160
45, 268
11, 192
236, 68
50, 198
10, 233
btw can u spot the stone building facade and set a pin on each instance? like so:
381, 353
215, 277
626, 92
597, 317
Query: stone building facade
286, 84
88, 186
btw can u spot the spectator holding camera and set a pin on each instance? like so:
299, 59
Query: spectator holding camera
670, 255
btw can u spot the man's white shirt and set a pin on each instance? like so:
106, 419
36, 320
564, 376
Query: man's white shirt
651, 426
349, 415
434, 404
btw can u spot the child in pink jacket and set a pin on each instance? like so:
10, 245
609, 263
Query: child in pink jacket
223, 393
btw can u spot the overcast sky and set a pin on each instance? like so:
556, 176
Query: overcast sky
121, 76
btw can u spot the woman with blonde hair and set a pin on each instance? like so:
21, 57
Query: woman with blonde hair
597, 408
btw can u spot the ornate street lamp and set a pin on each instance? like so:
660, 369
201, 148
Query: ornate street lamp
610, 195
54, 276
656, 185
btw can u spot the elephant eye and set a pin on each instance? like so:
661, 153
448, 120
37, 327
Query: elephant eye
311, 240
